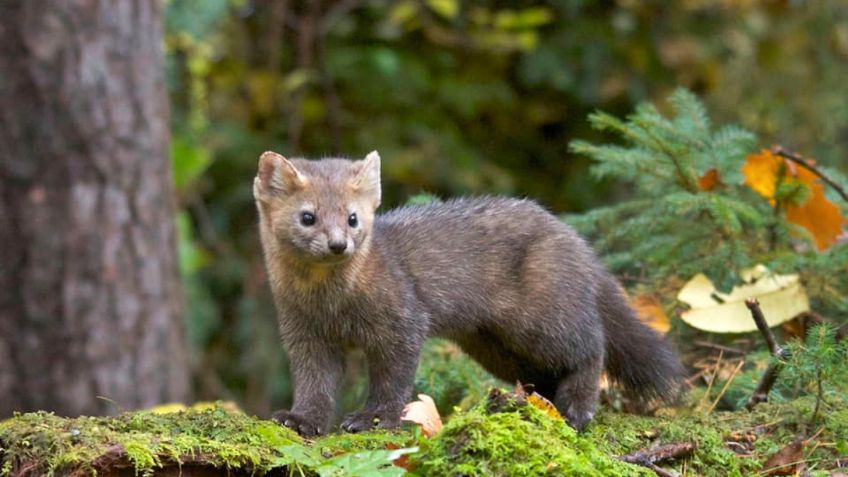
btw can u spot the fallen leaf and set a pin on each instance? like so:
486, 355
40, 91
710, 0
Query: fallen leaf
402, 460
650, 311
708, 181
173, 407
424, 413
787, 460
781, 297
168, 408
540, 402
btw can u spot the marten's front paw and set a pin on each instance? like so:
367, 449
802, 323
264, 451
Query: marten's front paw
367, 420
578, 419
298, 423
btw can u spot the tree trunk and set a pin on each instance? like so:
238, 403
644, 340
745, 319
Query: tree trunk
90, 304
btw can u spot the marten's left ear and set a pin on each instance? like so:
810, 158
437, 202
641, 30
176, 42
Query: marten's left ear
367, 179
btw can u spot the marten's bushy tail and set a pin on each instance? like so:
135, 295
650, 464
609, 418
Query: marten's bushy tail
637, 357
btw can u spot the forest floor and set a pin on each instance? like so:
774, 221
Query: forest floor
504, 434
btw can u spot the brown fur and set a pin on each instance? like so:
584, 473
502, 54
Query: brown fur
516, 288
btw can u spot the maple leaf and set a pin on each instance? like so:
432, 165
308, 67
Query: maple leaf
766, 171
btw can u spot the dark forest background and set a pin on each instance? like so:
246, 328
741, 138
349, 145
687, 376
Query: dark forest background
459, 98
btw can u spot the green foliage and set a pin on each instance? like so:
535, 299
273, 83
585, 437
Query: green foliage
375, 463
450, 377
422, 199
674, 226
299, 459
817, 367
690, 211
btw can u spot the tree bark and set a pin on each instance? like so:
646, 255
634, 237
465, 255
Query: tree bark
90, 304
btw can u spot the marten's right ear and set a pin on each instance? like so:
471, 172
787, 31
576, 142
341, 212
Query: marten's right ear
367, 178
277, 175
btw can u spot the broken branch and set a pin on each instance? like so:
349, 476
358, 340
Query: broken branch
760, 394
649, 457
780, 151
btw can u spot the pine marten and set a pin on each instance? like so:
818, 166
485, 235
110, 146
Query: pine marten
513, 286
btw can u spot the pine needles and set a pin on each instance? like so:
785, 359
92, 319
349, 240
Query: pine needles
691, 213
690, 209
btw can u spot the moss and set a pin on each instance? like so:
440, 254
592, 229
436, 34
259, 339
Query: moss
520, 441
335, 444
775, 425
145, 440
620, 434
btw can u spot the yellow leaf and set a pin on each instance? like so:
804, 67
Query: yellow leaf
650, 311
765, 171
781, 297
540, 402
762, 172
424, 413
168, 408
172, 407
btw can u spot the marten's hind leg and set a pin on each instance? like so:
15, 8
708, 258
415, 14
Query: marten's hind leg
577, 392
488, 350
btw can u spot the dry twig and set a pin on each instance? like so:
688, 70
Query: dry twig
651, 456
770, 376
795, 158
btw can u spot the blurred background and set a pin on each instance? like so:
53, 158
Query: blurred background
459, 98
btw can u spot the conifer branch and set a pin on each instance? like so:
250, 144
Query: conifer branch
685, 181
795, 158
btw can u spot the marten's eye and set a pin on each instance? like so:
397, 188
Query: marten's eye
352, 220
307, 219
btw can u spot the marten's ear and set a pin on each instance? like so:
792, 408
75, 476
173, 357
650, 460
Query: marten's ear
276, 175
367, 178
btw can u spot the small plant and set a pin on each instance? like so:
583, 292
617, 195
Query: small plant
817, 366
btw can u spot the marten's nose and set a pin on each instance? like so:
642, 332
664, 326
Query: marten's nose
337, 247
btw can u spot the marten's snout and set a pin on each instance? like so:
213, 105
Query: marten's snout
337, 247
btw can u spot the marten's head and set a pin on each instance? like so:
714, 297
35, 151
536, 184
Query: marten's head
320, 211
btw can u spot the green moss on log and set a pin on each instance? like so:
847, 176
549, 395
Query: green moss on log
522, 440
517, 440
42, 443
